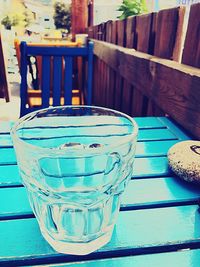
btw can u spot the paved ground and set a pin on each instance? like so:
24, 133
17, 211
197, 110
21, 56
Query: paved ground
10, 110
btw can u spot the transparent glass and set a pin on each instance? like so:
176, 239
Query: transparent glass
75, 162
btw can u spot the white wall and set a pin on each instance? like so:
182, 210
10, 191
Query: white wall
104, 13
163, 4
105, 10
4, 7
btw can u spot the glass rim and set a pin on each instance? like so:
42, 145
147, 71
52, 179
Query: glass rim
92, 151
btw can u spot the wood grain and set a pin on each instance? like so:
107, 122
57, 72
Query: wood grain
127, 90
191, 52
95, 32
165, 42
179, 35
173, 86
109, 72
114, 32
130, 32
166, 28
121, 41
143, 33
79, 16
90, 31
159, 34
121, 33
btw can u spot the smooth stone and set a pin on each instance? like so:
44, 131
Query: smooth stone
184, 160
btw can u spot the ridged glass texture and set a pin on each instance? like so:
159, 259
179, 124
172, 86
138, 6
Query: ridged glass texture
75, 162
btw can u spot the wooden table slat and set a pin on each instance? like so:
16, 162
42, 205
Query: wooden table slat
150, 167
142, 168
139, 194
152, 122
135, 230
185, 258
144, 149
9, 176
157, 191
7, 156
5, 126
153, 149
143, 135
173, 127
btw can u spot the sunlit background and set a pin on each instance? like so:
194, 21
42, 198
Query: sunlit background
104, 10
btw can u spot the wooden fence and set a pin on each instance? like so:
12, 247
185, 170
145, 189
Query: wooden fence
138, 70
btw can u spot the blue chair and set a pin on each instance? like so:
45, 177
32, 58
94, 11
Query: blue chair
56, 77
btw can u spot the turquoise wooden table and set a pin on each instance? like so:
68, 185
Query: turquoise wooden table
158, 224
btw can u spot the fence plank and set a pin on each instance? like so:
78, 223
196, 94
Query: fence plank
104, 68
121, 40
95, 32
99, 33
95, 96
90, 32
97, 69
151, 104
191, 52
105, 79
121, 32
94, 82
166, 28
130, 32
179, 35
143, 32
112, 81
173, 86
131, 39
100, 93
109, 71
114, 32
103, 29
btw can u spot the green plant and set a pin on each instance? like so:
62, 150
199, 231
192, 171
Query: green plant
16, 20
62, 16
7, 22
132, 7
28, 17
12, 20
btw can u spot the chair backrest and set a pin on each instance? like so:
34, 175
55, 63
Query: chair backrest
56, 72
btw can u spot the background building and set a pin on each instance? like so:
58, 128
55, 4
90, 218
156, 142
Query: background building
162, 4
9, 6
43, 12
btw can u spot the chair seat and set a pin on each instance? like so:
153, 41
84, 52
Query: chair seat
35, 99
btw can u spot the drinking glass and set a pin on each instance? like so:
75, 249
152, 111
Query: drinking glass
75, 162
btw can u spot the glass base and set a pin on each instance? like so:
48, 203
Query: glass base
78, 248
